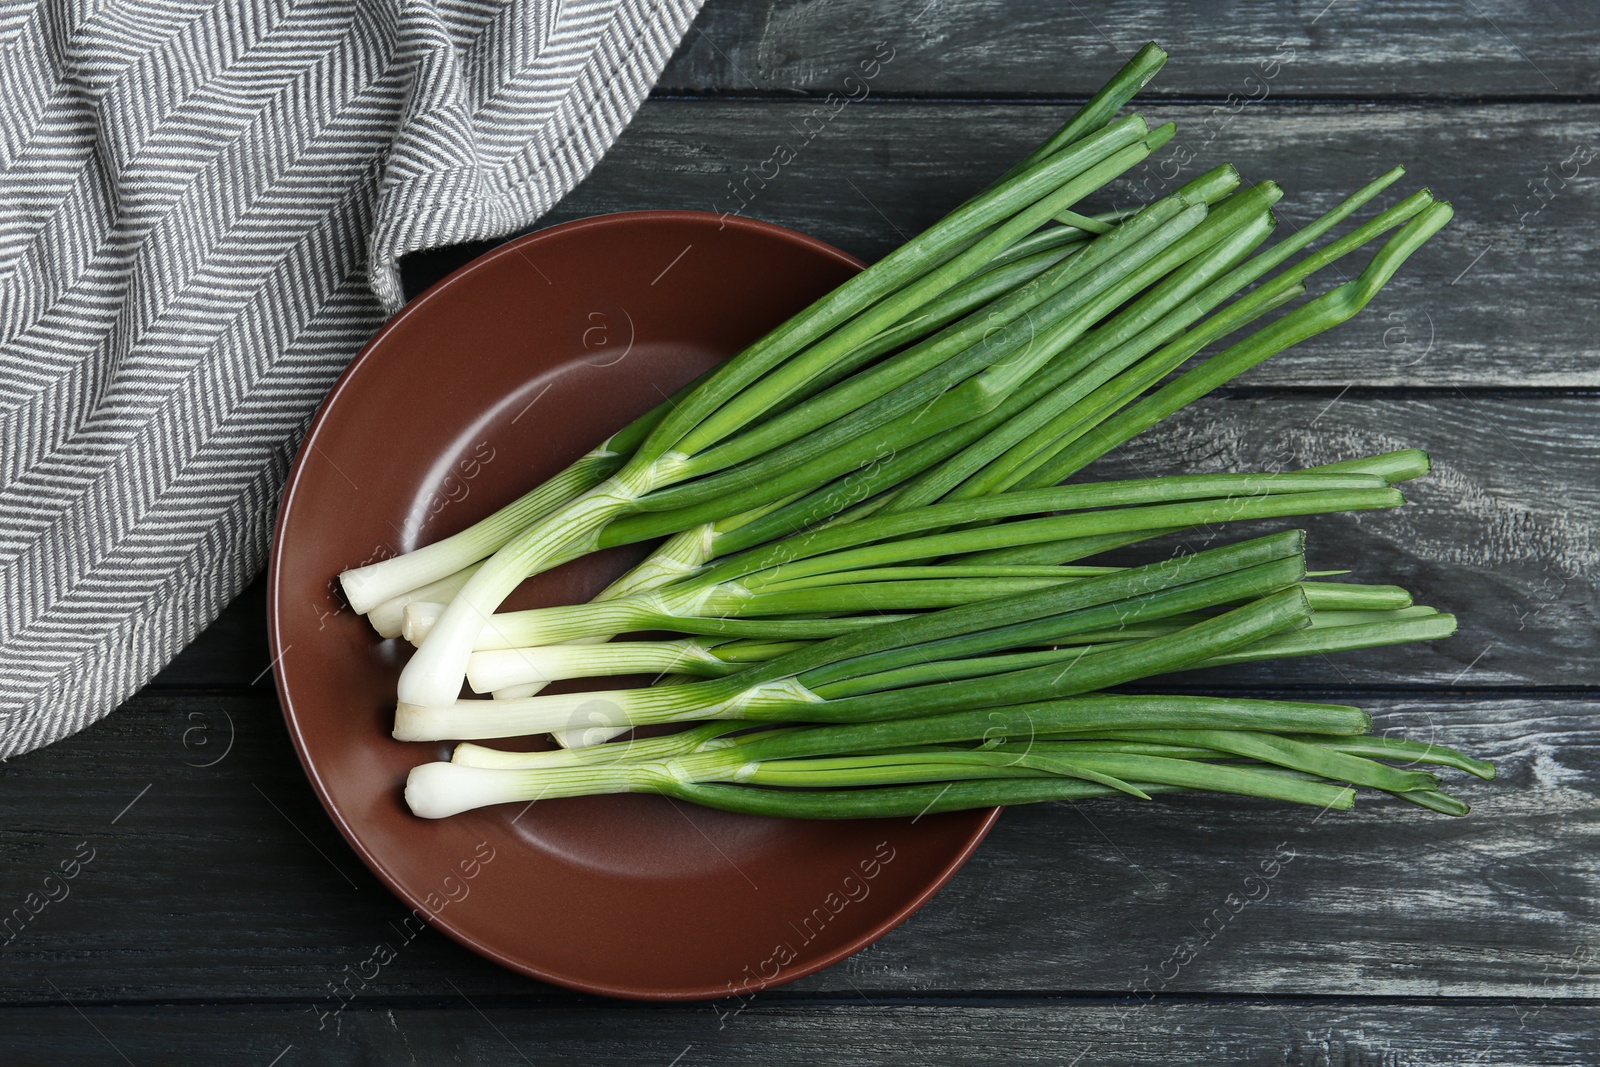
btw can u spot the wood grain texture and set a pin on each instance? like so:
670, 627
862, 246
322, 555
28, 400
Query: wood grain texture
860, 1031
227, 883
1507, 295
1433, 47
1502, 533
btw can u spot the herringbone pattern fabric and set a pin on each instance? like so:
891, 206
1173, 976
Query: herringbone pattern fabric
201, 209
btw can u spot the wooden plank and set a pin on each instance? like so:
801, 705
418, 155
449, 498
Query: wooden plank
1282, 1033
1012, 46
227, 883
1508, 295
1502, 533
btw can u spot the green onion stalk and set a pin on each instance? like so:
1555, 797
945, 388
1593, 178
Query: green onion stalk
1072, 748
953, 657
499, 670
856, 567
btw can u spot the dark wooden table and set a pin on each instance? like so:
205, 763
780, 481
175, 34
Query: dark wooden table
215, 905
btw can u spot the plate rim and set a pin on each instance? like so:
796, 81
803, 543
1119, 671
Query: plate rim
286, 707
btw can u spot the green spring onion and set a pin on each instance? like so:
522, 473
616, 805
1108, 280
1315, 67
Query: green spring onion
862, 527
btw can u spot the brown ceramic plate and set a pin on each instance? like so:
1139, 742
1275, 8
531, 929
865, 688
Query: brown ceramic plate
490, 382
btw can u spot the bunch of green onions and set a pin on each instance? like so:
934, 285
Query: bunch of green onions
1065, 636
1067, 749
863, 527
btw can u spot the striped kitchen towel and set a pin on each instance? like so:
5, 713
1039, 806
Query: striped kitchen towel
202, 205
